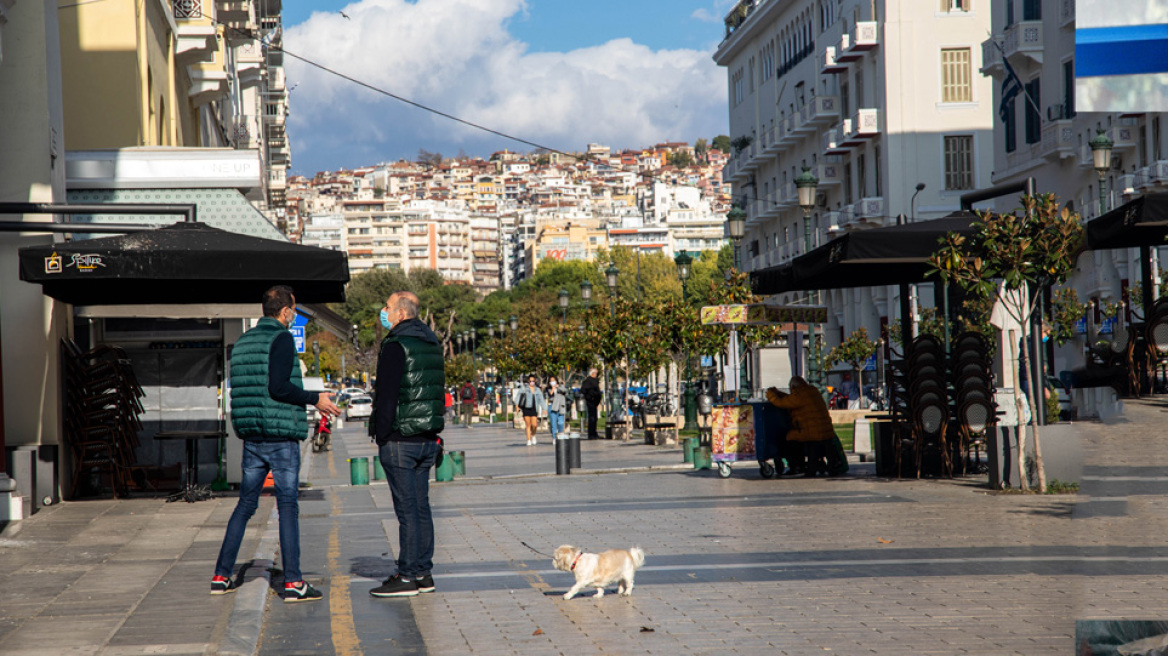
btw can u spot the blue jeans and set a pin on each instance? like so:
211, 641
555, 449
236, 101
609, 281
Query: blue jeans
556, 421
407, 467
283, 460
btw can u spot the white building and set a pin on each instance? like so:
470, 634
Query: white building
324, 231
875, 97
1047, 141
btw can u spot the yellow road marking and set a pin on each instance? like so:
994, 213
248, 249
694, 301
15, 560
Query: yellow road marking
344, 632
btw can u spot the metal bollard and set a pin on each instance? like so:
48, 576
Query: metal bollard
445, 470
574, 449
688, 445
459, 458
563, 457
359, 471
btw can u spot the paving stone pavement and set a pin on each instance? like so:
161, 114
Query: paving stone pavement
853, 565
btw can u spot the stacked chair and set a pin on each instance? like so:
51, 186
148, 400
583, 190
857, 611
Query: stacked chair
102, 408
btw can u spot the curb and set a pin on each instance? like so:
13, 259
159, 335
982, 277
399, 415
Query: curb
593, 472
242, 636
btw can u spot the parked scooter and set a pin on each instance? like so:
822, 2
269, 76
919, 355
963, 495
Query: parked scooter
323, 437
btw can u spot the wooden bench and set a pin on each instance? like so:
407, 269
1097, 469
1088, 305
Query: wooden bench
655, 430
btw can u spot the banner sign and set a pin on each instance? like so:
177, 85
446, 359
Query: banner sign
761, 314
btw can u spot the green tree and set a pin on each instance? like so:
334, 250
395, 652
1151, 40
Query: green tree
722, 143
460, 369
701, 148
681, 159
1025, 253
855, 351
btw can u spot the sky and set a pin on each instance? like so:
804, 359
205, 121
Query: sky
559, 73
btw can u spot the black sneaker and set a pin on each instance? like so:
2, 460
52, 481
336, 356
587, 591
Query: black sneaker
396, 586
425, 583
222, 585
301, 591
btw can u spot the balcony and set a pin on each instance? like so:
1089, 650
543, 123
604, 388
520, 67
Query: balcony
1125, 184
788, 195
786, 129
828, 64
1067, 13
1123, 136
864, 125
767, 207
747, 156
822, 110
772, 144
833, 139
1058, 139
865, 36
843, 50
869, 212
831, 220
991, 56
1159, 173
828, 173
846, 218
1024, 39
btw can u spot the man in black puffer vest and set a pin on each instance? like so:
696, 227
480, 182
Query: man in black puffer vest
408, 409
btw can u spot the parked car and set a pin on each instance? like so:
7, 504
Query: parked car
352, 391
360, 407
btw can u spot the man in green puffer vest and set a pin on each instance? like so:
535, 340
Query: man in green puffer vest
267, 412
408, 408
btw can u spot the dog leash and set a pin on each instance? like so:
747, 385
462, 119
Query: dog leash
535, 550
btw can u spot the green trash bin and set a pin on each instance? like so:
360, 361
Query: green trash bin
688, 445
359, 471
702, 458
378, 472
459, 458
445, 469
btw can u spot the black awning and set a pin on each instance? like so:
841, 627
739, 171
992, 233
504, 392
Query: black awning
865, 258
1139, 222
183, 263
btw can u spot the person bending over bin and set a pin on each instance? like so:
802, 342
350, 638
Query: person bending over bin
810, 422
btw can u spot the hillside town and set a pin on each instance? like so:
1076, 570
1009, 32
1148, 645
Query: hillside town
489, 222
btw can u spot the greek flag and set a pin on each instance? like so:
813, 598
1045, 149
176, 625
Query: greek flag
1011, 87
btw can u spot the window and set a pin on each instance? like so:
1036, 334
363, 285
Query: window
1033, 119
862, 175
876, 170
956, 85
955, 5
739, 91
959, 162
847, 184
1011, 126
1156, 148
1031, 10
844, 100
859, 89
1069, 89
751, 74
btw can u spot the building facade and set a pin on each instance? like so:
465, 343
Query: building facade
1041, 135
874, 98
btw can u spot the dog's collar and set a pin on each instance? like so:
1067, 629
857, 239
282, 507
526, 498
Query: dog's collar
573, 569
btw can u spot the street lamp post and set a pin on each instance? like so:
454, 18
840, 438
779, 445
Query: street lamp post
1101, 154
610, 279
502, 372
736, 226
565, 299
683, 262
912, 205
315, 357
808, 185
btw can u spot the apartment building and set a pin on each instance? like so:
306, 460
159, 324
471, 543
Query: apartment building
1041, 135
439, 238
874, 97
374, 234
486, 265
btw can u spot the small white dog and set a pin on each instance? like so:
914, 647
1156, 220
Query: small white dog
599, 570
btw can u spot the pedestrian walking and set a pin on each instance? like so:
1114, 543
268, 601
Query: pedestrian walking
448, 406
590, 389
531, 403
851, 390
468, 398
268, 412
407, 422
557, 403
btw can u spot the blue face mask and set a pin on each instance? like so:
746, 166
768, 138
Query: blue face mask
385, 319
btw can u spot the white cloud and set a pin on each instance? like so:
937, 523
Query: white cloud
457, 56
704, 15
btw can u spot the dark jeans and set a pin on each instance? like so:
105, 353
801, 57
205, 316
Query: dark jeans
407, 466
283, 460
592, 414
